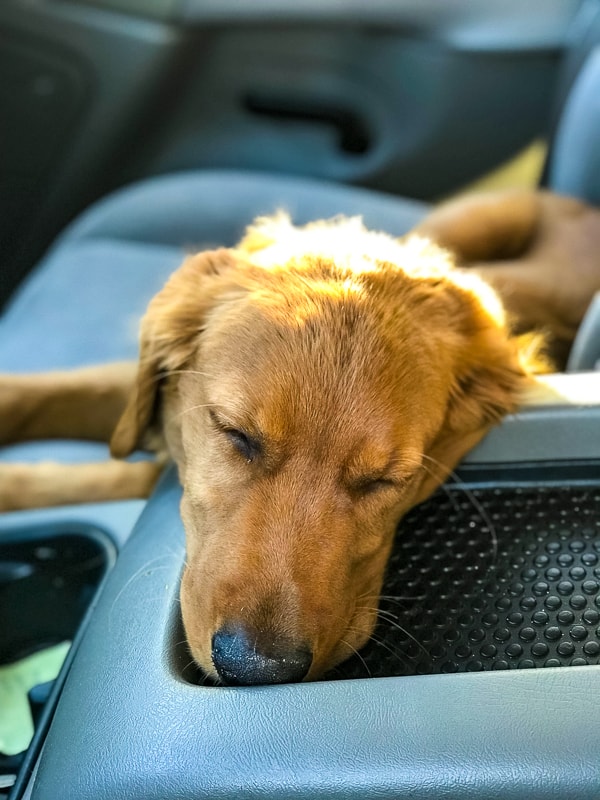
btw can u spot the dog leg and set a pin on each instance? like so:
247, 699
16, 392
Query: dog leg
25, 486
80, 404
539, 251
485, 227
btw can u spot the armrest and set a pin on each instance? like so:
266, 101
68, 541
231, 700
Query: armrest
134, 726
559, 421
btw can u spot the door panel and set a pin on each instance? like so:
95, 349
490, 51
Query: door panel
413, 97
371, 107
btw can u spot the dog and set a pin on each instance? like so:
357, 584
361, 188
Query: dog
312, 385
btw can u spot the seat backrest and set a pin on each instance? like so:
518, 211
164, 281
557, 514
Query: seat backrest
573, 165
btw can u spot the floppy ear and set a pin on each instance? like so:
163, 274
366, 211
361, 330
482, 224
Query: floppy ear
168, 337
492, 370
481, 397
486, 226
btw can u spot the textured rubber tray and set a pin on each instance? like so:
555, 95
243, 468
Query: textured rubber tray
490, 578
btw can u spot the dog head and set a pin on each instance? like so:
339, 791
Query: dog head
312, 386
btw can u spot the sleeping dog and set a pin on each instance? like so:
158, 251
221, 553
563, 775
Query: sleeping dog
312, 385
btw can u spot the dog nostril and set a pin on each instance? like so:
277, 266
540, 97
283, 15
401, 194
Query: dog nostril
242, 658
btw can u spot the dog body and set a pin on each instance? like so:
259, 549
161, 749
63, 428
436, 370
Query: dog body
311, 385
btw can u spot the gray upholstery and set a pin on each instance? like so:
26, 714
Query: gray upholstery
128, 725
83, 302
585, 354
574, 167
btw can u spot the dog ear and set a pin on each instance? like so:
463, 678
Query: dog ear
491, 372
482, 396
485, 227
168, 337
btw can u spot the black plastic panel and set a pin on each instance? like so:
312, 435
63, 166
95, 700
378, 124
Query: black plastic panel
46, 585
43, 95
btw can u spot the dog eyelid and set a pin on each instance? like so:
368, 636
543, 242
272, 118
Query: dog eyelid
370, 484
246, 445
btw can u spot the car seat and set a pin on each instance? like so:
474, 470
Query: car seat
131, 720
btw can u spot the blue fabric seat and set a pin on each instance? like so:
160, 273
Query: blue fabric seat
82, 304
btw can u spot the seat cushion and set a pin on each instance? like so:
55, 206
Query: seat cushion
82, 304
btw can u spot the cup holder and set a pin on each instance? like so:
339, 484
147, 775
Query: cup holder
48, 579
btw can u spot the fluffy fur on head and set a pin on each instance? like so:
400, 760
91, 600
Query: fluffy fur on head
313, 384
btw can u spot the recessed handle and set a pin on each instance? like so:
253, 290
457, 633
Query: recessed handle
353, 134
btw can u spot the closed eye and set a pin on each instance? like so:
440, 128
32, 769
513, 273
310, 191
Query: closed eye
369, 485
247, 446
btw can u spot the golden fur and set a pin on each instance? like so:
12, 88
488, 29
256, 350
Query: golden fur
313, 384
361, 369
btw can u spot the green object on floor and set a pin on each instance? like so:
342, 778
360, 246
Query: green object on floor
16, 725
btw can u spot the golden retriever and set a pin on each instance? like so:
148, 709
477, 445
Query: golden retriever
312, 385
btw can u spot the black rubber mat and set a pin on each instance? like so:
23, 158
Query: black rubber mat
490, 578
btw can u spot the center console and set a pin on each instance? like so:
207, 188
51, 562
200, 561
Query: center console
480, 681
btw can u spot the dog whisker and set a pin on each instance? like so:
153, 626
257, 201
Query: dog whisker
355, 651
404, 658
368, 597
390, 619
470, 497
399, 598
191, 663
171, 372
138, 574
202, 678
401, 656
194, 408
387, 615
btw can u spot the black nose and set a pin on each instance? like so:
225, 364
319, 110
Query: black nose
244, 657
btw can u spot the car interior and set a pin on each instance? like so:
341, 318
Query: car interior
136, 131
